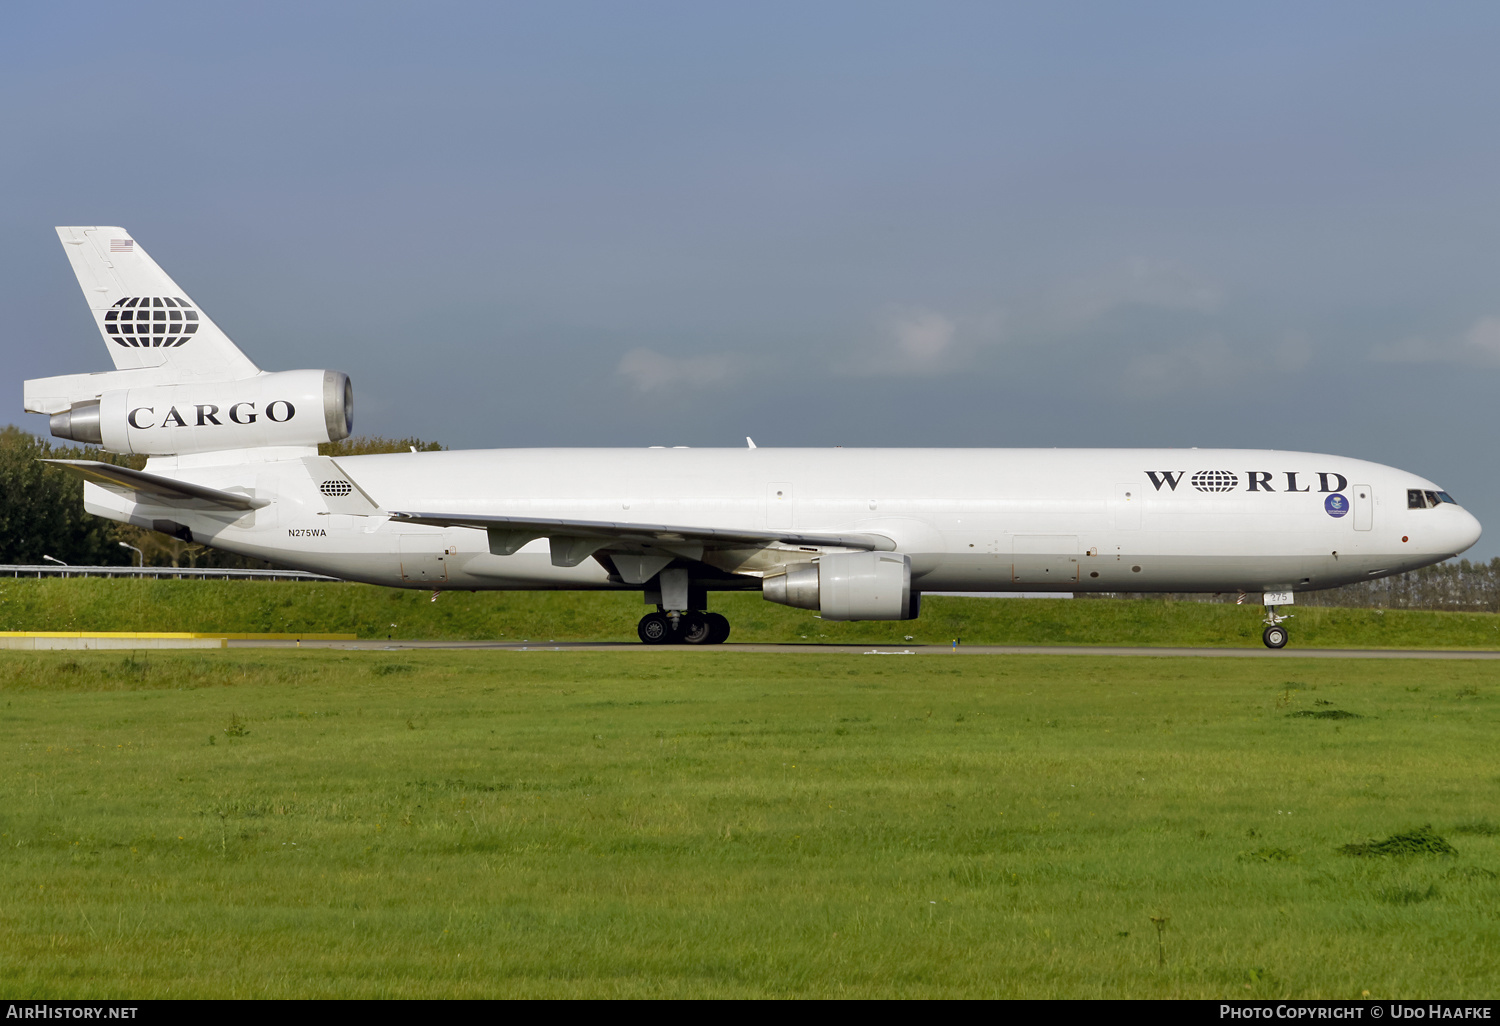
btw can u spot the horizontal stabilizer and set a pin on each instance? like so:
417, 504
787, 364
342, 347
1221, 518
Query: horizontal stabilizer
154, 490
635, 534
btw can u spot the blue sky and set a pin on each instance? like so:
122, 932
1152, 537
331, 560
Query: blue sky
859, 224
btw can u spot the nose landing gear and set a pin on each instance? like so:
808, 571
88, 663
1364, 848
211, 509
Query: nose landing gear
663, 628
1275, 635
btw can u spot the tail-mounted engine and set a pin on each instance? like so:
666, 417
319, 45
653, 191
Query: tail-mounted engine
849, 586
304, 407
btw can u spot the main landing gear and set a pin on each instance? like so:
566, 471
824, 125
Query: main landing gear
678, 619
674, 628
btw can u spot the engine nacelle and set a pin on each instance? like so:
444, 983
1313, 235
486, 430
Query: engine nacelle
304, 407
849, 586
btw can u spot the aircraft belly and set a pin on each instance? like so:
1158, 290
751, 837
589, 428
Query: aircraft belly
966, 573
1143, 571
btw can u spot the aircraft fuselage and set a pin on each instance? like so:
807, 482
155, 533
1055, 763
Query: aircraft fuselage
970, 519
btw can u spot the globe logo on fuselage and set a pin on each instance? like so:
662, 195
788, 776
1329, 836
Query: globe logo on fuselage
151, 322
1214, 481
1336, 505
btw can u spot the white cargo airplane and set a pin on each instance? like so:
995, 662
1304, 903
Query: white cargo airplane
851, 533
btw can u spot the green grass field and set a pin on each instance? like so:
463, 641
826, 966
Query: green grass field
694, 823
371, 612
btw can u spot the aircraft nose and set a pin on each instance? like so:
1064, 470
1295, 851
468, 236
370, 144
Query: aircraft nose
1465, 531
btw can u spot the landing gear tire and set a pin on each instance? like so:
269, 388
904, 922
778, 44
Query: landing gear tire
696, 630
1274, 637
718, 625
655, 629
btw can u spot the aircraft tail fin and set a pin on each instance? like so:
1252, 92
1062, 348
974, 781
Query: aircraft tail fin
145, 319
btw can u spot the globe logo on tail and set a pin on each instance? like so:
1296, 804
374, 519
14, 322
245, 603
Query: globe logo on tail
151, 322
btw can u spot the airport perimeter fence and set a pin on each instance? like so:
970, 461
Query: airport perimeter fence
217, 573
1459, 586
1449, 587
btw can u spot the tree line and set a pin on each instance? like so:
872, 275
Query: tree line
1458, 586
41, 507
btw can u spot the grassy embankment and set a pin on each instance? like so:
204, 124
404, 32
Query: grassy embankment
371, 612
288, 824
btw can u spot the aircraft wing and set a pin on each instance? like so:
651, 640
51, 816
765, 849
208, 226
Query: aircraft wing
156, 490
609, 531
573, 541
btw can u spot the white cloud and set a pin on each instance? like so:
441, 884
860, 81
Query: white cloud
1214, 362
909, 341
922, 337
1211, 361
920, 342
1477, 347
1483, 340
1139, 282
649, 370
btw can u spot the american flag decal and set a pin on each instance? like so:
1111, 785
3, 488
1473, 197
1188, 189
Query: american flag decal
122, 245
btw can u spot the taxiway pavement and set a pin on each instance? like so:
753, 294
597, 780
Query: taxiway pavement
922, 650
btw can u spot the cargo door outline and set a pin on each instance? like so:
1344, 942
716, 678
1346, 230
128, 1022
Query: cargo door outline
424, 557
1044, 559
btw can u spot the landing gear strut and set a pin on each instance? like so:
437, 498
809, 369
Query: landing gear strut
678, 628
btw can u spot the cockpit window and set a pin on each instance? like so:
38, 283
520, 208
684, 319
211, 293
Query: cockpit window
1418, 498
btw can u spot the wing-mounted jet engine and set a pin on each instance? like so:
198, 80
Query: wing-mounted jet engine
849, 586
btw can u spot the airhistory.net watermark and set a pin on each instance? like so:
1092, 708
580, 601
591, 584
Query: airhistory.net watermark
44, 1010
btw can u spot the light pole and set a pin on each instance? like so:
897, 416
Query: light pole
51, 559
137, 551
